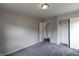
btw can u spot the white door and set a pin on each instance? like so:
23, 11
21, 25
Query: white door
74, 33
63, 30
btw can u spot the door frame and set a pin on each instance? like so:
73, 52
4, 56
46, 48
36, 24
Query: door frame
69, 32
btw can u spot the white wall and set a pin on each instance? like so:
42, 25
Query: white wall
53, 30
74, 33
18, 31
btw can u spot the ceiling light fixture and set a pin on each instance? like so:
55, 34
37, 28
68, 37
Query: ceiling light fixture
44, 6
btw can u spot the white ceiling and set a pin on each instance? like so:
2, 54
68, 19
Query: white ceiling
34, 9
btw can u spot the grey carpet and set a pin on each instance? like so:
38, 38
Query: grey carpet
46, 49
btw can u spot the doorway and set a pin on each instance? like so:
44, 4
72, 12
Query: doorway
43, 31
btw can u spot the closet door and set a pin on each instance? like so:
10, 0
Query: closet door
74, 33
63, 30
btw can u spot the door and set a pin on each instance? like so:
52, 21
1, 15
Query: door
74, 33
63, 30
